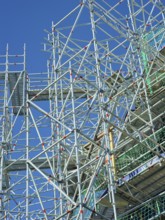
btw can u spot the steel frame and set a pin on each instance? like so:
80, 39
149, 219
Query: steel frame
75, 137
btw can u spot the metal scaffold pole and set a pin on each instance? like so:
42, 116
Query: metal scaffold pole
85, 139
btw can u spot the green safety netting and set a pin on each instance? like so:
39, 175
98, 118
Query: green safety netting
154, 73
139, 154
149, 210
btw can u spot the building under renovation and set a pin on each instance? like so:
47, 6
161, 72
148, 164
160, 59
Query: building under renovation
86, 138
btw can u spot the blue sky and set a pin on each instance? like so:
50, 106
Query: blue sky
23, 21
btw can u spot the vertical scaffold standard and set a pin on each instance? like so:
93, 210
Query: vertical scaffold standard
86, 138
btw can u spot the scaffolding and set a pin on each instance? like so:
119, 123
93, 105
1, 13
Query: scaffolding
85, 139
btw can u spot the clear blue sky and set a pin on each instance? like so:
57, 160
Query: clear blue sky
23, 21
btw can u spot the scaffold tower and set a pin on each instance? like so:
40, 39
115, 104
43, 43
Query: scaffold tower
85, 139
